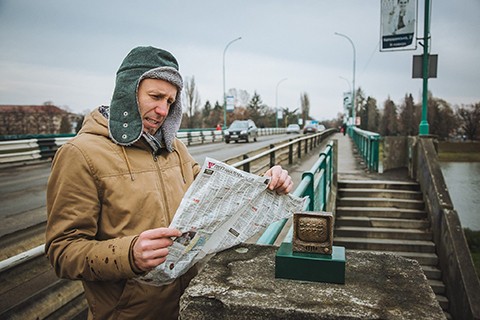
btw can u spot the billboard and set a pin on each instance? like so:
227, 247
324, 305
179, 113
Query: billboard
398, 25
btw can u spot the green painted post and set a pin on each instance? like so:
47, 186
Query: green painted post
309, 191
423, 127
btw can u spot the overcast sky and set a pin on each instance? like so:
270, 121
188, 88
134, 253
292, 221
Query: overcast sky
68, 52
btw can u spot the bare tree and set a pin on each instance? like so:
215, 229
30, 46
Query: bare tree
191, 100
469, 117
441, 118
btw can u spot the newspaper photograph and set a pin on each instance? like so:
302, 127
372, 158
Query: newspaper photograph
223, 207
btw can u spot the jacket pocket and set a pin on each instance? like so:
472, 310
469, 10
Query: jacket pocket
126, 295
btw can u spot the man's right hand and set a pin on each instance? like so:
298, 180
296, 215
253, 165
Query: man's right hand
151, 247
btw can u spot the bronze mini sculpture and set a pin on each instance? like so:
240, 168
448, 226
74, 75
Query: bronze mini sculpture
313, 232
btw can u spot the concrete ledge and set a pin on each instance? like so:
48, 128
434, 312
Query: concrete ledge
241, 285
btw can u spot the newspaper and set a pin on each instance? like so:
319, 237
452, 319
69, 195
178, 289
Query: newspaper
222, 208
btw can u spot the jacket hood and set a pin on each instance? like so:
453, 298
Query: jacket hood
124, 122
95, 123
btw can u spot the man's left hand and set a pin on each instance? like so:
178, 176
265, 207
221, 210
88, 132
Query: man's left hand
280, 181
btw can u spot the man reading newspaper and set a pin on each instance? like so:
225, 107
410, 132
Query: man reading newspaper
222, 208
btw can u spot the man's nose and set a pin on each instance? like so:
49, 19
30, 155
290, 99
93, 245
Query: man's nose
161, 109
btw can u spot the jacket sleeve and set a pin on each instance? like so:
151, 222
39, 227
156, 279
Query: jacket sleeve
73, 209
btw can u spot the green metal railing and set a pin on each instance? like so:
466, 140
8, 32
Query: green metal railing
368, 145
316, 185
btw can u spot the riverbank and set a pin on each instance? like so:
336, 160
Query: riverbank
459, 151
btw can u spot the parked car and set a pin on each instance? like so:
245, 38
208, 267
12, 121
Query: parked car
241, 130
293, 128
310, 128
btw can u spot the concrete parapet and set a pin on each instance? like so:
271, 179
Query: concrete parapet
240, 283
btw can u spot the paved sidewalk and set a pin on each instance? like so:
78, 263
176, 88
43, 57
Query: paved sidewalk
350, 163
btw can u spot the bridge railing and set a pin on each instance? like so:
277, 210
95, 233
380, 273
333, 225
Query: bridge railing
368, 145
44, 148
316, 184
283, 154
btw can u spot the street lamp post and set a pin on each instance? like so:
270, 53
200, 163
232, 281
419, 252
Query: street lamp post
276, 101
224, 94
348, 82
353, 81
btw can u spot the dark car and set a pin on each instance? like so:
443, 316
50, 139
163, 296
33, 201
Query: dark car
310, 128
241, 130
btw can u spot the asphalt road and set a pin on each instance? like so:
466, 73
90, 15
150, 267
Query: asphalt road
23, 188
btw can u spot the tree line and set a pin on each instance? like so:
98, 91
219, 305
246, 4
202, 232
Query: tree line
460, 122
246, 107
444, 121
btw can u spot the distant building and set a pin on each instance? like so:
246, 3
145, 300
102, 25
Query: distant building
36, 119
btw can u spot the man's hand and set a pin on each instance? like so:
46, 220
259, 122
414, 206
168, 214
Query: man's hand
151, 247
280, 181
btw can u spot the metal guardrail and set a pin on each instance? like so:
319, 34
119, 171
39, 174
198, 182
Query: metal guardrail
44, 148
368, 145
304, 143
316, 185
30, 149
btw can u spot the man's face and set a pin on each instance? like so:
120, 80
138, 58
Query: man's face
403, 5
154, 100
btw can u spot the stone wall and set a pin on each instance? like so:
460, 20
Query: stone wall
463, 287
240, 283
395, 153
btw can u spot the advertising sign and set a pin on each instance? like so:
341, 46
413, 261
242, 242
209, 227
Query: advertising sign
279, 114
230, 103
398, 25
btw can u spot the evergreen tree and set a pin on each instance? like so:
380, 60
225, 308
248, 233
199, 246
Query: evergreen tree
372, 115
389, 121
256, 108
408, 125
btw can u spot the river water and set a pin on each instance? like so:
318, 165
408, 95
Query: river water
463, 182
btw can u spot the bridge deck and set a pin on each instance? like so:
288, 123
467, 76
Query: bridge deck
350, 164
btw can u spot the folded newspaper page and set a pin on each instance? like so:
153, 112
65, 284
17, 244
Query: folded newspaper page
223, 207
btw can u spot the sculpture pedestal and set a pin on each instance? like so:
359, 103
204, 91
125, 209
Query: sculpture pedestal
310, 266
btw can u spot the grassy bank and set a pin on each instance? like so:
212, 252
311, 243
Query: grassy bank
459, 151
459, 157
473, 239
